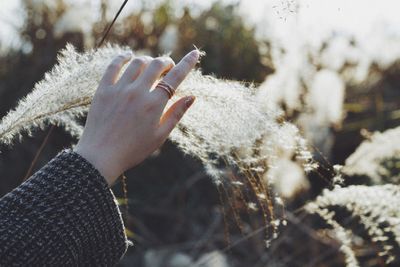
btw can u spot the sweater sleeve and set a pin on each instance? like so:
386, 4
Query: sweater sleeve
63, 215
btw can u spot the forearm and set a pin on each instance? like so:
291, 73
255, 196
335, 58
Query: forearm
65, 214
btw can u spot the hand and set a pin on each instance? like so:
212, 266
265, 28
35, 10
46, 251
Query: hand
126, 123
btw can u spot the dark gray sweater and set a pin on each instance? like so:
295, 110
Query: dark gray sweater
64, 215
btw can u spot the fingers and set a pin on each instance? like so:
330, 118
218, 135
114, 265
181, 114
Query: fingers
177, 74
173, 115
112, 71
135, 68
156, 68
182, 69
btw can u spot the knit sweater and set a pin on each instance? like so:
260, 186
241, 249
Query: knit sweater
63, 215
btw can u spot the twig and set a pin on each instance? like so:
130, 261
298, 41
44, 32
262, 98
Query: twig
28, 173
112, 23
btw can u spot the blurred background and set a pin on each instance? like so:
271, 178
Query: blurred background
332, 66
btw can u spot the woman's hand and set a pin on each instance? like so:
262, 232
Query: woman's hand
125, 123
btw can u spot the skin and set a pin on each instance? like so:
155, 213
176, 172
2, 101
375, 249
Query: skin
126, 120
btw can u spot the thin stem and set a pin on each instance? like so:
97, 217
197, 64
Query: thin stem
112, 23
125, 191
28, 173
68, 106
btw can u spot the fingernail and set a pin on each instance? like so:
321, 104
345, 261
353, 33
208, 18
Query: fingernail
189, 101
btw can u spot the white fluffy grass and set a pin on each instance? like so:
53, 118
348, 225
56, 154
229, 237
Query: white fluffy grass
227, 123
377, 208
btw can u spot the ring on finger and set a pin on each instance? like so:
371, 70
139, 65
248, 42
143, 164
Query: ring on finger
167, 88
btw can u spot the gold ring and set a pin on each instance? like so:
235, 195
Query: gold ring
167, 88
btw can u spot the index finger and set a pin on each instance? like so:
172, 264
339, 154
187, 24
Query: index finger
178, 73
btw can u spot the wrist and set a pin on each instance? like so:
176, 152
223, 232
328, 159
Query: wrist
105, 166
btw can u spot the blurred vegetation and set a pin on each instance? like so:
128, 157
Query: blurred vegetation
232, 51
179, 211
183, 209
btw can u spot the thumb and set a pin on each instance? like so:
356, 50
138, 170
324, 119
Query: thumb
174, 114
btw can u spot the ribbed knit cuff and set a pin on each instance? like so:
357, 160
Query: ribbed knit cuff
65, 214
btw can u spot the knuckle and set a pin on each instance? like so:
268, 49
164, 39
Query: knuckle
169, 61
158, 62
147, 59
177, 75
141, 61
